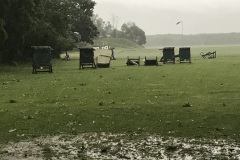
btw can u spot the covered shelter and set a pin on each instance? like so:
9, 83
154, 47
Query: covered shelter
86, 58
42, 59
168, 55
185, 54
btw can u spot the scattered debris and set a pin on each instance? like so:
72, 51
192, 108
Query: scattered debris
12, 101
187, 105
28, 117
119, 146
12, 130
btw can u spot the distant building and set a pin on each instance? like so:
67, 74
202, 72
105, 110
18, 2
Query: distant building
105, 47
101, 47
96, 47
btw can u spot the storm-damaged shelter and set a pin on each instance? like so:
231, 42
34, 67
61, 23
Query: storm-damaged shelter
103, 61
150, 61
208, 54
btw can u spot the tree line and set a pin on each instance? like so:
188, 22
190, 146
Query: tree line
56, 23
128, 30
191, 40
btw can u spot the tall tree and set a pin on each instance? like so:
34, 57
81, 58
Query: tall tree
81, 13
101, 25
3, 37
65, 23
133, 33
3, 33
44, 22
18, 19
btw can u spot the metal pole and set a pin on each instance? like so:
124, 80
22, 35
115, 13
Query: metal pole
182, 32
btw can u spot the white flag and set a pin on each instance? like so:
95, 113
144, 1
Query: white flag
178, 22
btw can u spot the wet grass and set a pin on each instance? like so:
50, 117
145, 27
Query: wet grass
181, 100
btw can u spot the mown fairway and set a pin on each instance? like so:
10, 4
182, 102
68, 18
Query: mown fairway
201, 99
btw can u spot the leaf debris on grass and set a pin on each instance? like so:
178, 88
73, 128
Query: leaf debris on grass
12, 101
187, 105
12, 130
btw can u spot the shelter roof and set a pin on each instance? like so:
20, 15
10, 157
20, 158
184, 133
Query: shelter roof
41, 47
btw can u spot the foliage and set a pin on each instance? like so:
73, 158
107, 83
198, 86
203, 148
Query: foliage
134, 33
3, 33
18, 21
104, 28
129, 30
56, 23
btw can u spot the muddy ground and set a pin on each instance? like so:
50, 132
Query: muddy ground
119, 146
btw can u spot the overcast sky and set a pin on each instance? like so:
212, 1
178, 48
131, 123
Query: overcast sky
161, 16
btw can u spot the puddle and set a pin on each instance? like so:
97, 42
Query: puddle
119, 146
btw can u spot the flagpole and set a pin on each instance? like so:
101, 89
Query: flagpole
182, 32
182, 29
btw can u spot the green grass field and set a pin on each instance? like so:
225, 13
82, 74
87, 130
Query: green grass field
120, 99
